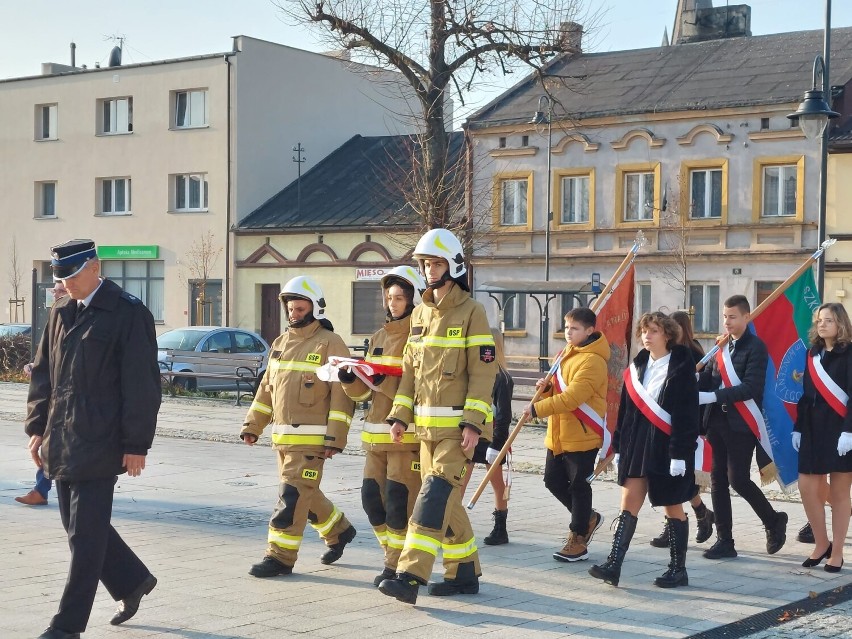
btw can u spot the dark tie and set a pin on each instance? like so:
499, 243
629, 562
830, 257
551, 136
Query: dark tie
732, 345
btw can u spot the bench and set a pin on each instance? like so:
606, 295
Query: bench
244, 369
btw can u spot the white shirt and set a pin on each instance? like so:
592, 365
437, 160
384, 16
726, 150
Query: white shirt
655, 374
88, 298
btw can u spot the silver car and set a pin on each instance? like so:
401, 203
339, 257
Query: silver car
209, 339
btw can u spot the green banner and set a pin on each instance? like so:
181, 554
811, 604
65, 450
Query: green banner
129, 252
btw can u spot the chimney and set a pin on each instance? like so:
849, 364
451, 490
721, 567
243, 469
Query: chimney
571, 37
73, 54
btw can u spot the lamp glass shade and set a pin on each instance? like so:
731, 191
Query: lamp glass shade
813, 125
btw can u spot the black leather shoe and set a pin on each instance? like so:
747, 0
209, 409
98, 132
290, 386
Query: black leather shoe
704, 526
450, 587
806, 534
128, 606
269, 567
335, 551
401, 588
776, 534
827, 567
722, 549
56, 633
810, 563
387, 573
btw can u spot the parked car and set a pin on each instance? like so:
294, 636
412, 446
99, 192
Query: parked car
11, 330
210, 339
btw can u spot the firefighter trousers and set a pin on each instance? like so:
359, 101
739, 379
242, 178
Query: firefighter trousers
390, 487
439, 521
300, 501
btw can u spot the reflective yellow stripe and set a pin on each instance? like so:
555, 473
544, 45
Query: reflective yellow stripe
362, 398
387, 360
422, 542
381, 535
385, 438
480, 340
290, 542
289, 365
261, 408
475, 404
459, 551
437, 422
324, 527
339, 416
451, 342
395, 541
299, 440
404, 401
304, 434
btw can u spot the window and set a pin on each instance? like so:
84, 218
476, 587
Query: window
115, 116
638, 196
513, 202
575, 200
114, 194
190, 192
704, 301
574, 300
525, 140
514, 311
644, 298
45, 122
190, 109
209, 311
367, 312
794, 122
780, 185
245, 343
45, 199
764, 124
705, 187
501, 143
143, 278
763, 290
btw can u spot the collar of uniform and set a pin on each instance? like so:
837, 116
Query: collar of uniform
454, 297
106, 296
305, 331
399, 326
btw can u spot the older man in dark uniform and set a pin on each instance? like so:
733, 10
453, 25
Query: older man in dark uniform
92, 412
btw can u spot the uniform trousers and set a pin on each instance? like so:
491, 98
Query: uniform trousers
732, 454
389, 490
300, 501
98, 553
439, 521
565, 476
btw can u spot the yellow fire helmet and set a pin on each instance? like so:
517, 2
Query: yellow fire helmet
304, 288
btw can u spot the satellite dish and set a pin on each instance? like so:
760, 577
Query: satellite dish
115, 57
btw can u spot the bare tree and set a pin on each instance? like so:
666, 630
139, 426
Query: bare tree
438, 43
673, 244
15, 278
199, 261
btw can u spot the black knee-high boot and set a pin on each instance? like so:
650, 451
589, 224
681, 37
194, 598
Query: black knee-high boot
678, 539
610, 570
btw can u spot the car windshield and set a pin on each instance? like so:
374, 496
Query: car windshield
182, 339
8, 330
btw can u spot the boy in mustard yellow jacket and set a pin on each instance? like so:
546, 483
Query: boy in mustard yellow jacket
575, 405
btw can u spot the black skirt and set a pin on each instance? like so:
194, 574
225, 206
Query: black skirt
818, 452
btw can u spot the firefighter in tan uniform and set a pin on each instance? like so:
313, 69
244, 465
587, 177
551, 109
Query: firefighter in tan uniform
310, 420
392, 471
448, 373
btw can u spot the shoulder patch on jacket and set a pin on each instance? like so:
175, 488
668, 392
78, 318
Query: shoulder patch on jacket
416, 330
129, 297
378, 350
486, 354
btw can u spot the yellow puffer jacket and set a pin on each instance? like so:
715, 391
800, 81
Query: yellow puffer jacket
584, 369
448, 368
386, 346
305, 413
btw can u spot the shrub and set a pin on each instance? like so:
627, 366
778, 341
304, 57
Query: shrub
14, 355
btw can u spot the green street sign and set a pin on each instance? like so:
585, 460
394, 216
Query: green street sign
129, 252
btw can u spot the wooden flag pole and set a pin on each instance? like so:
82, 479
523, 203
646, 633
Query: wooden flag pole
638, 243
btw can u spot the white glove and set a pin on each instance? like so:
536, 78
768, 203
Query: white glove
491, 455
844, 444
706, 397
615, 461
677, 467
797, 441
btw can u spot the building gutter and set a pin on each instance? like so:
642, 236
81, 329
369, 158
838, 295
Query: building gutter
226, 288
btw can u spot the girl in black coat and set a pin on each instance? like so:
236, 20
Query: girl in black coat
649, 461
823, 436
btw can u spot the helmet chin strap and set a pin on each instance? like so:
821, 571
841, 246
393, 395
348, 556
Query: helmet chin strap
444, 279
408, 310
307, 319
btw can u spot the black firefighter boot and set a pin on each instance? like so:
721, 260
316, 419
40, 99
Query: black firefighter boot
678, 539
498, 536
610, 570
403, 588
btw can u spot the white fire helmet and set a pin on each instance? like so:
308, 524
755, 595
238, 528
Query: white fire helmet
442, 243
410, 275
304, 288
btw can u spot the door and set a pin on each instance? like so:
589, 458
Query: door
270, 312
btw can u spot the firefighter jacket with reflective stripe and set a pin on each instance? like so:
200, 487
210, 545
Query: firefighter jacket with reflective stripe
304, 411
584, 369
385, 347
448, 368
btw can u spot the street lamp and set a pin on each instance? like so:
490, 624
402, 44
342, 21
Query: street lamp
813, 114
540, 117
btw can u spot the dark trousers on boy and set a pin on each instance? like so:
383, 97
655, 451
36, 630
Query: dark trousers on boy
565, 475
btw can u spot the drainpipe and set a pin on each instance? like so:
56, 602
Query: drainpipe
226, 289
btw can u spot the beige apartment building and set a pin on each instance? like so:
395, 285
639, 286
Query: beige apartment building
156, 160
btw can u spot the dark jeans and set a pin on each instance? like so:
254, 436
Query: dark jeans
43, 484
97, 552
732, 455
565, 476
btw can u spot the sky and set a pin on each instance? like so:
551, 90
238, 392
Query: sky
36, 31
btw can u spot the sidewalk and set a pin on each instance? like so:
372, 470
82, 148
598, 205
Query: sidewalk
198, 515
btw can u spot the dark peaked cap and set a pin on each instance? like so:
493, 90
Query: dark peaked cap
70, 257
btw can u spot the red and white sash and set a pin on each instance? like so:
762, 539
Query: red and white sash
703, 455
747, 409
646, 404
827, 387
587, 415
